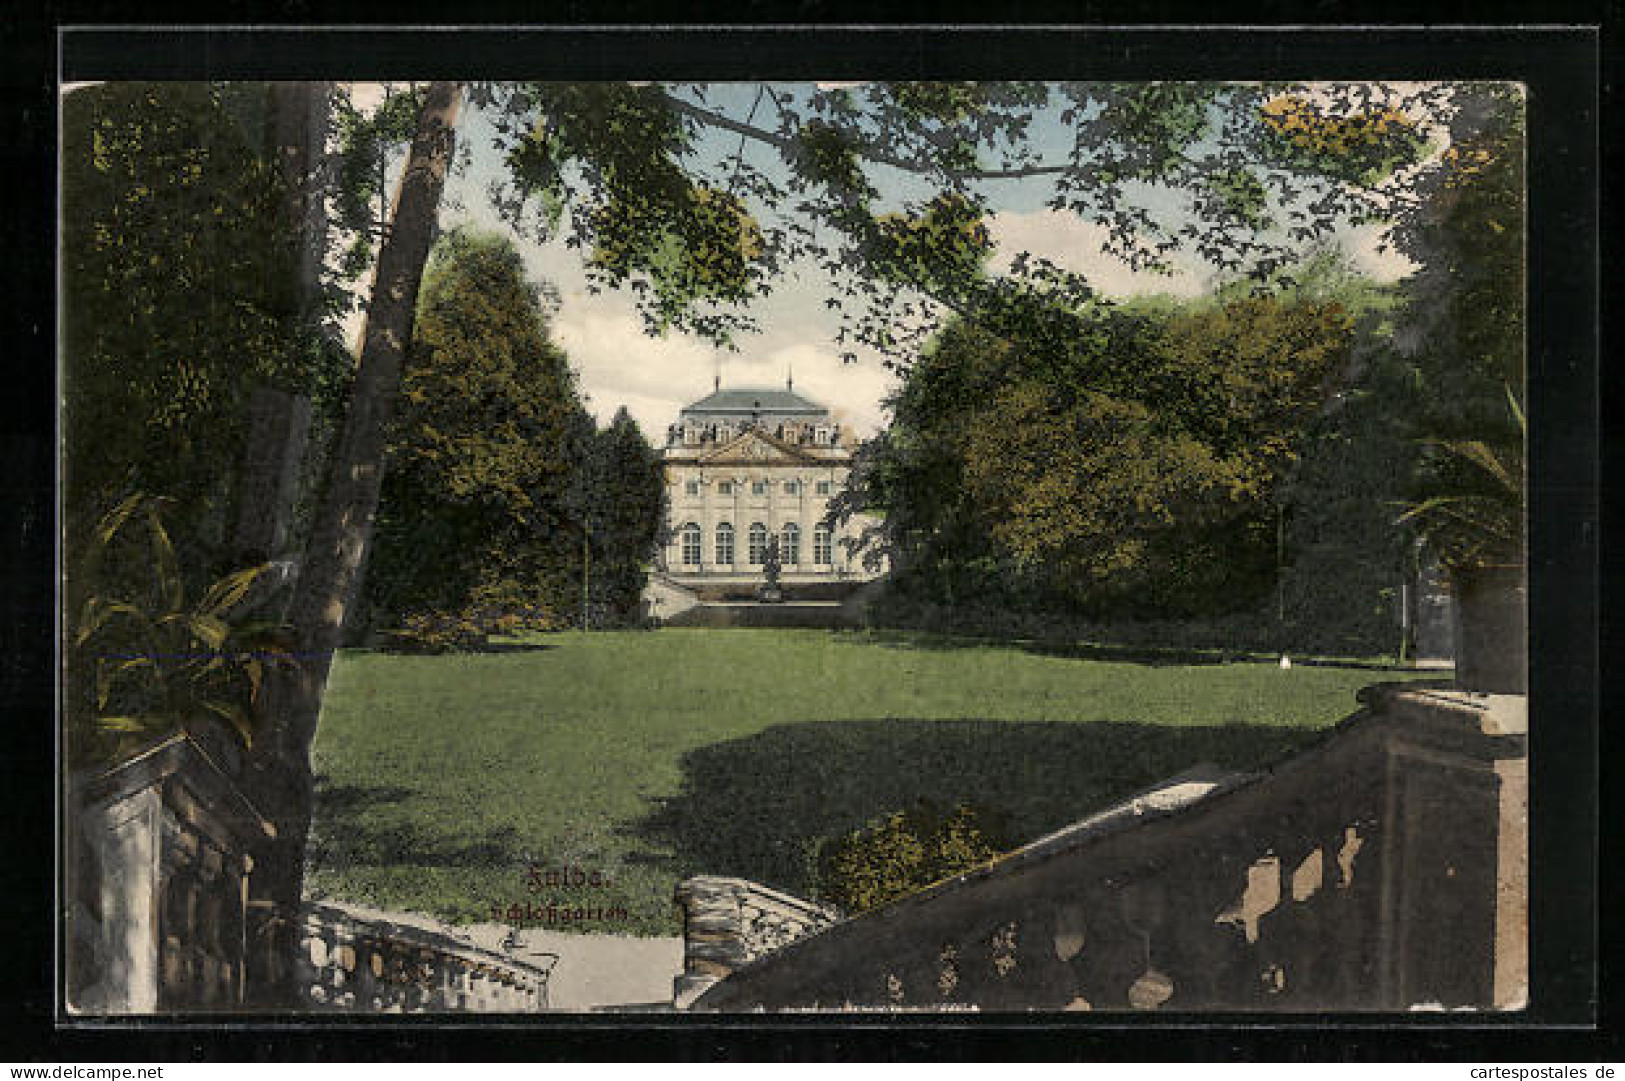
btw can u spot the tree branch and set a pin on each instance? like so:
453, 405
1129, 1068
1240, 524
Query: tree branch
879, 157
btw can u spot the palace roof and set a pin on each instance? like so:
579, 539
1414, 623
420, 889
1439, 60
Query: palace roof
745, 401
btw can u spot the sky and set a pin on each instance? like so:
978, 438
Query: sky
619, 364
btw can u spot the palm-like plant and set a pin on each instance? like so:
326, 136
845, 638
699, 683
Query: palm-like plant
1474, 522
142, 661
1476, 519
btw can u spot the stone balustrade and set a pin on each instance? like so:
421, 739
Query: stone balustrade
159, 917
355, 962
1384, 869
159, 856
730, 922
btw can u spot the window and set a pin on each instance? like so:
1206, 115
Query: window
823, 487
725, 544
692, 487
792, 487
821, 436
823, 549
790, 544
757, 544
725, 487
691, 545
758, 487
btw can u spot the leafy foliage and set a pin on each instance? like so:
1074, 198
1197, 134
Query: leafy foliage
1129, 462
488, 439
1257, 171
1362, 145
365, 140
178, 290
903, 852
496, 476
455, 632
1478, 520
146, 662
1466, 350
622, 494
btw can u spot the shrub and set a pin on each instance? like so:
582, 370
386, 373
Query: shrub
146, 660
440, 632
903, 852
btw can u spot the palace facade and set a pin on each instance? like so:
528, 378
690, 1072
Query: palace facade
749, 464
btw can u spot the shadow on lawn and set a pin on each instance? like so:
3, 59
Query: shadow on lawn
758, 807
513, 647
1153, 656
344, 834
1147, 655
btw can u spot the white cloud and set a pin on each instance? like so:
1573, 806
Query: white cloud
619, 364
853, 392
1070, 242
1076, 244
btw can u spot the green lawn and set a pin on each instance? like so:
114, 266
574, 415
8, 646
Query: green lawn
651, 756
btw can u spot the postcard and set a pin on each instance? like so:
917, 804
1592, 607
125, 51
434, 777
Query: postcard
712, 547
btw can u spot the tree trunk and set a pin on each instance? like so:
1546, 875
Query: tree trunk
280, 773
299, 126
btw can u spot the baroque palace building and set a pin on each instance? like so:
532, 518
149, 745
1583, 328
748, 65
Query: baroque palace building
747, 464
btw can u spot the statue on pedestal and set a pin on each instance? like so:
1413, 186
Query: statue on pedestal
769, 592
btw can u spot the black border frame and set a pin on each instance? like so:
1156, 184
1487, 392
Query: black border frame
1561, 66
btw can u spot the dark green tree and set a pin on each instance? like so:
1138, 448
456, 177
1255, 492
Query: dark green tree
179, 294
1464, 343
625, 492
489, 440
1124, 463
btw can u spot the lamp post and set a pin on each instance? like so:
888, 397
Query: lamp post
586, 570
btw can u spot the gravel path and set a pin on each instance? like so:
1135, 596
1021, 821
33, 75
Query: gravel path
596, 971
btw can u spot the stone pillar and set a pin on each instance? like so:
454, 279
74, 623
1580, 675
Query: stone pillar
160, 863
730, 922
1454, 919
712, 942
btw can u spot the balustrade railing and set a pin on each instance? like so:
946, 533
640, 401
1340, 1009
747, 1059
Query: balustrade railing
1383, 869
353, 962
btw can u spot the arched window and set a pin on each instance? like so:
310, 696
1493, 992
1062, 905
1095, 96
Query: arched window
823, 550
725, 544
757, 544
790, 544
691, 545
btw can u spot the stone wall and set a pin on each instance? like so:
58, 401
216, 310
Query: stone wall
824, 615
664, 599
730, 922
159, 853
1382, 870
375, 963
